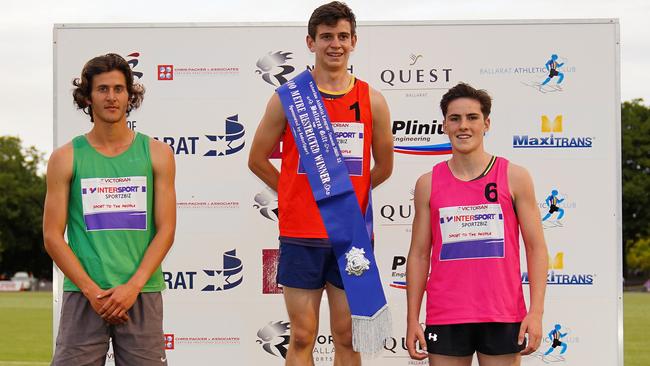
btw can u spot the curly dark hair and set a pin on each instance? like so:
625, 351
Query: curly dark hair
463, 90
330, 14
99, 65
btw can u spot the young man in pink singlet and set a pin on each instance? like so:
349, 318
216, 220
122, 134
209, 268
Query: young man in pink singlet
469, 212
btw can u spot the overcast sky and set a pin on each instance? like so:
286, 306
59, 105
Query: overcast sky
26, 37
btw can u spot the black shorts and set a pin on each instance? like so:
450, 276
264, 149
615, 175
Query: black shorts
465, 339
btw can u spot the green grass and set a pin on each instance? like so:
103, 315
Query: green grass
26, 323
636, 307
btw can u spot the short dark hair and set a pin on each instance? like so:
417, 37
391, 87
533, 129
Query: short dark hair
330, 14
463, 90
100, 65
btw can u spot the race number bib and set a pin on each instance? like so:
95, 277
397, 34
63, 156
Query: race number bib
115, 203
470, 232
349, 136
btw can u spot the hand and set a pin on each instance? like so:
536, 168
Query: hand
118, 301
415, 335
97, 303
532, 324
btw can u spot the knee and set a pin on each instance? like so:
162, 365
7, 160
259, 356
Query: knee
342, 337
303, 338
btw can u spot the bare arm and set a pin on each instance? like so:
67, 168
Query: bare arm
417, 265
55, 217
382, 139
521, 185
164, 172
266, 138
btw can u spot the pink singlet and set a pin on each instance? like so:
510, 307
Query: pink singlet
475, 275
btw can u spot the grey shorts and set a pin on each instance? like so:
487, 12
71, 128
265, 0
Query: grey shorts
83, 335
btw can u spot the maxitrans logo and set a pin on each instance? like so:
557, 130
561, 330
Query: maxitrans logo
557, 276
553, 137
415, 138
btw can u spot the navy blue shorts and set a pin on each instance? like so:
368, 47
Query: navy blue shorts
465, 339
307, 267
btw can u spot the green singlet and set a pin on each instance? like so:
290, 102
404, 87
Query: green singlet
110, 213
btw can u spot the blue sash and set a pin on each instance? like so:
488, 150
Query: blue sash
348, 232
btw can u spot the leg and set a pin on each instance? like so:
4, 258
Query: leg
442, 360
498, 344
511, 359
341, 326
301, 272
140, 340
303, 308
83, 334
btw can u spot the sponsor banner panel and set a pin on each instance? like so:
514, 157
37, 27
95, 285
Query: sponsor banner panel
554, 89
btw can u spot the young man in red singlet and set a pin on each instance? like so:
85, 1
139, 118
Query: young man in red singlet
360, 118
468, 214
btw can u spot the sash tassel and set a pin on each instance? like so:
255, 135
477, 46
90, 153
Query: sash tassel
369, 333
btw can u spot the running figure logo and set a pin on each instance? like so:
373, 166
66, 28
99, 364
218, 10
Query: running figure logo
552, 66
555, 335
554, 71
557, 339
553, 201
273, 69
274, 338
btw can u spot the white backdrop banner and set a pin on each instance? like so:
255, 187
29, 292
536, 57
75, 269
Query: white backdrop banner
207, 86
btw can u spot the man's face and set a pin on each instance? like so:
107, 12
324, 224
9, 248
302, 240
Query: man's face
109, 97
465, 125
333, 44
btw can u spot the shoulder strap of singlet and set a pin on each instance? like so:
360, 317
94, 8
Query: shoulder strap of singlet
487, 168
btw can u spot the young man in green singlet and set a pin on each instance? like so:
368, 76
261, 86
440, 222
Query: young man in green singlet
113, 189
